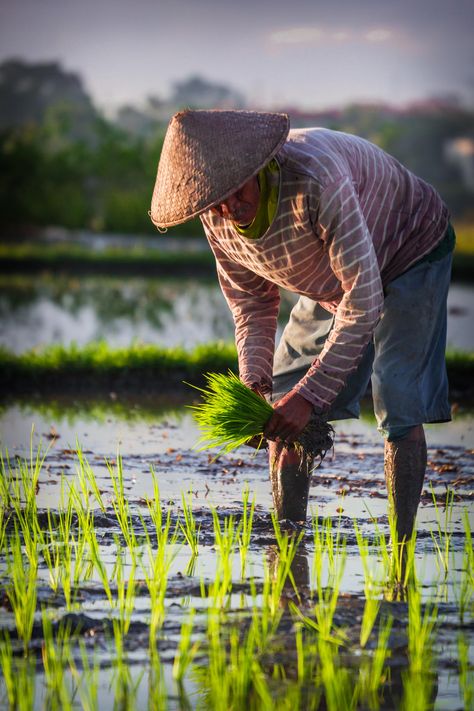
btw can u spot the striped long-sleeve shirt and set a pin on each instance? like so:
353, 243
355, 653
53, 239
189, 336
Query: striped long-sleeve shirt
350, 218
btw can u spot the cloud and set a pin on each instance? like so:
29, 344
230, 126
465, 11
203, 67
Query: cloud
378, 35
296, 35
316, 35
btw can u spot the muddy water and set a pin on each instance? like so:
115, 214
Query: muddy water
349, 485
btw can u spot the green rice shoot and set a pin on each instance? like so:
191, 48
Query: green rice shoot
230, 414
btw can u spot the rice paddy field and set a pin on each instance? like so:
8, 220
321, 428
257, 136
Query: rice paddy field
139, 573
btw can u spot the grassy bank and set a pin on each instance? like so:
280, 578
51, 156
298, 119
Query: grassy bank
144, 368
97, 366
75, 259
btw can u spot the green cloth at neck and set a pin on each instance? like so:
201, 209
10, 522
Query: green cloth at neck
269, 182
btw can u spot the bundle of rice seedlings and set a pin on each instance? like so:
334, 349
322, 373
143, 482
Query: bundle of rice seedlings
231, 414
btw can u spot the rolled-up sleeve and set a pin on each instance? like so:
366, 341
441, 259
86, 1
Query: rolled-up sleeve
341, 225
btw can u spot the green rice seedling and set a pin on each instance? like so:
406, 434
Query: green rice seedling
287, 548
120, 504
29, 475
326, 603
51, 553
265, 617
340, 692
157, 692
125, 688
371, 611
125, 600
335, 547
3, 525
21, 493
99, 566
186, 650
156, 570
87, 481
86, 677
8, 668
364, 547
155, 509
398, 559
465, 594
21, 589
5, 476
83, 566
466, 673
319, 551
417, 691
225, 538
468, 547
327, 597
158, 565
189, 530
442, 539
328, 550
322, 623
57, 549
245, 530
300, 652
64, 523
421, 627
418, 680
55, 653
308, 691
373, 671
19, 676
233, 677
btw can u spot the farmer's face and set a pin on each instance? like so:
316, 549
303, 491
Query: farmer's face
241, 206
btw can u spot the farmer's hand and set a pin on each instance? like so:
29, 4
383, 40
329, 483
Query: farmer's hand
291, 415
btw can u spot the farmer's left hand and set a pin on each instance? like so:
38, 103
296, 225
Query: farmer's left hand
291, 415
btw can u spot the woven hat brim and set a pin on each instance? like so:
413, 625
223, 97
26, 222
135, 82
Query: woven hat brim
163, 221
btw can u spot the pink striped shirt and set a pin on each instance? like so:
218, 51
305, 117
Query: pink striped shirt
350, 218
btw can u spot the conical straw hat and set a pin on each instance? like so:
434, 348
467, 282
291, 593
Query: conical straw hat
207, 156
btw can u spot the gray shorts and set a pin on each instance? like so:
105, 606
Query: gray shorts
405, 360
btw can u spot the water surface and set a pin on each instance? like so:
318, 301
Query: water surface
35, 311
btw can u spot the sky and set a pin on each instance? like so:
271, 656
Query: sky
305, 54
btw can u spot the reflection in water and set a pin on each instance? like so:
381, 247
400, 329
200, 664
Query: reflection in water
170, 312
44, 309
299, 581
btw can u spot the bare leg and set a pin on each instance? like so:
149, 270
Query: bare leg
290, 478
405, 467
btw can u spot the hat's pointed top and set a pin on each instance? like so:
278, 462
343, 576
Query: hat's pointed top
208, 155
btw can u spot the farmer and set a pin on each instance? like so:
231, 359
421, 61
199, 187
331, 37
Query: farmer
365, 244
